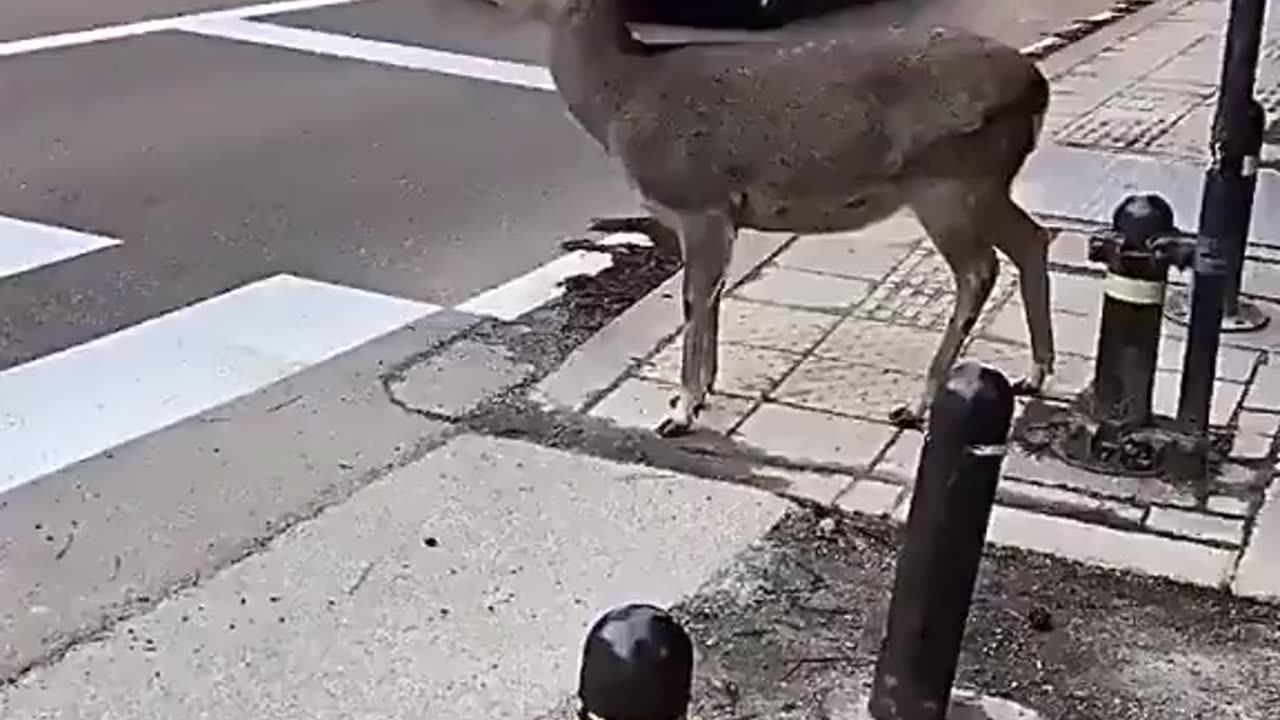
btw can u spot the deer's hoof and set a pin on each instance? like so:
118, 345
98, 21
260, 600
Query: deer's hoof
672, 427
907, 418
1027, 386
612, 224
679, 420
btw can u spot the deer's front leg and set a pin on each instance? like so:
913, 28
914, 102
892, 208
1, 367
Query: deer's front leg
706, 240
975, 275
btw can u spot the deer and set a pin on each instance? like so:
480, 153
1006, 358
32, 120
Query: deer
816, 135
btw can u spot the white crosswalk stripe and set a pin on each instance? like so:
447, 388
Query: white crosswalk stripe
71, 405
26, 245
74, 404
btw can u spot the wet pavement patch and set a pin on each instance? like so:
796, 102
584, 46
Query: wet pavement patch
792, 629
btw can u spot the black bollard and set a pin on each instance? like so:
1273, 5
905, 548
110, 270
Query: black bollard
954, 492
1137, 253
637, 664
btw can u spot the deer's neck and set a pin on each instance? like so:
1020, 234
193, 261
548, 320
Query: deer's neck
593, 58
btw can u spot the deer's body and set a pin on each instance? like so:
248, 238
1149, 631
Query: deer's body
811, 136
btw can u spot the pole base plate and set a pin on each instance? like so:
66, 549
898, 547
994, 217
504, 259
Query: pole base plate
1248, 317
1156, 449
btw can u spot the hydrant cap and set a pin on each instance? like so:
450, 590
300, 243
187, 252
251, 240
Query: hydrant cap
1144, 217
637, 664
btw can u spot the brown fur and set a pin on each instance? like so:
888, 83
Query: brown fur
817, 135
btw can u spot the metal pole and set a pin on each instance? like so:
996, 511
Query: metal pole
1227, 203
1225, 209
637, 664
946, 530
1244, 315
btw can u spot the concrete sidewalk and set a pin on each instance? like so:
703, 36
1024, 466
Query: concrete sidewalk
826, 336
458, 586
1151, 90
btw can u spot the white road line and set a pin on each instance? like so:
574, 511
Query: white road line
145, 27
1050, 43
25, 245
374, 51
74, 404
533, 289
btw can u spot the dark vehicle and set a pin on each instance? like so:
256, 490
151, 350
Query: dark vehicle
747, 14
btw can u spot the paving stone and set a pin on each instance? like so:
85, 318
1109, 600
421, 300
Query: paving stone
457, 380
804, 289
1263, 279
1077, 294
868, 254
1212, 15
1196, 526
871, 497
598, 362
1264, 393
1073, 333
1228, 505
639, 403
1083, 88
901, 459
1070, 248
1189, 66
1157, 44
1072, 374
1017, 492
1250, 446
837, 386
1226, 396
1134, 118
1258, 575
920, 292
815, 437
1076, 332
882, 345
743, 370
819, 487
1074, 96
1235, 475
751, 250
1180, 560
902, 511
1189, 136
1234, 364
772, 327
1261, 423
1255, 432
1048, 470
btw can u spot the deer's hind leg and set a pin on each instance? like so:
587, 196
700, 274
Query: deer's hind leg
706, 240
1026, 243
951, 216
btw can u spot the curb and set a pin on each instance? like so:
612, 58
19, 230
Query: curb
1128, 18
1082, 28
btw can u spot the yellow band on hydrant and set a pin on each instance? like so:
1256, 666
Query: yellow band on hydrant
1134, 290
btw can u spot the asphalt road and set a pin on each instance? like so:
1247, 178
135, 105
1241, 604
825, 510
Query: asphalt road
203, 165
217, 162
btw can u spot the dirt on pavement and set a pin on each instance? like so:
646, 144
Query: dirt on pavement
791, 632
